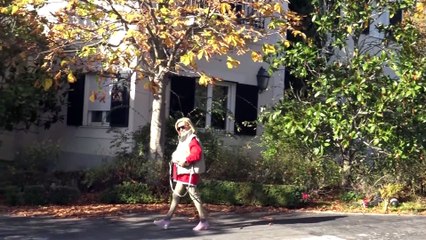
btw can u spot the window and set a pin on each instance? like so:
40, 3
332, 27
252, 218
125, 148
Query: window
109, 108
216, 101
98, 108
224, 106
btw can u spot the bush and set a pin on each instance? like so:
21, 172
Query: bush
63, 194
120, 169
351, 196
231, 166
34, 195
12, 195
130, 193
40, 195
288, 161
245, 193
33, 166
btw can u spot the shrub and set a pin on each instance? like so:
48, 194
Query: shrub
219, 192
124, 167
289, 161
63, 194
34, 195
130, 193
33, 165
351, 196
231, 166
12, 195
245, 193
282, 196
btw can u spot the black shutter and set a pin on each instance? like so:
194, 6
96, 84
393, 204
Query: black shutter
76, 102
119, 113
396, 18
246, 109
182, 96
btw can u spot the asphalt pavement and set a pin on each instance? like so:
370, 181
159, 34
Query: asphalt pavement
259, 226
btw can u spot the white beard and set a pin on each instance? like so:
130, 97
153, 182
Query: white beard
184, 134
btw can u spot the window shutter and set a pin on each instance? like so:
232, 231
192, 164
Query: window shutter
76, 102
246, 109
182, 96
119, 113
396, 18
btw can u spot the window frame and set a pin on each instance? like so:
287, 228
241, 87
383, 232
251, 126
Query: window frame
242, 106
80, 110
230, 106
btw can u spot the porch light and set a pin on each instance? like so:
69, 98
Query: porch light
262, 79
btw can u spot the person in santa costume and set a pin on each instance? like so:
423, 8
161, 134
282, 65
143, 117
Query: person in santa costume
187, 165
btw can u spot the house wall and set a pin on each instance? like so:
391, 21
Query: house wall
81, 147
87, 146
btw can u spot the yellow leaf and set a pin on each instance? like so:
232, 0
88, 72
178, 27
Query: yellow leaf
269, 49
224, 8
278, 7
164, 11
299, 33
71, 78
92, 96
232, 63
200, 54
204, 80
3, 10
287, 43
256, 57
64, 63
14, 9
349, 29
47, 84
187, 59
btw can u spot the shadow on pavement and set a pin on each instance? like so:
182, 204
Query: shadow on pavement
139, 226
277, 219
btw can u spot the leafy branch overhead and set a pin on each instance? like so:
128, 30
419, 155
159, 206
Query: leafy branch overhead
154, 38
151, 40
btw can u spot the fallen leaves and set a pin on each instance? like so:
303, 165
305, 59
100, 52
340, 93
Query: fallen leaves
108, 210
89, 208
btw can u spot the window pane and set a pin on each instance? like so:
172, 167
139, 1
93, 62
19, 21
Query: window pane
119, 112
246, 109
96, 116
76, 102
219, 107
182, 96
101, 87
198, 115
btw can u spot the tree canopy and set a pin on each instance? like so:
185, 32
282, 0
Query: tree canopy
24, 101
364, 95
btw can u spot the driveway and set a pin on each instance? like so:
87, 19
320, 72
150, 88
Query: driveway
293, 225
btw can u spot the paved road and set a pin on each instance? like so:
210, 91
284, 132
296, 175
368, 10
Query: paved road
295, 226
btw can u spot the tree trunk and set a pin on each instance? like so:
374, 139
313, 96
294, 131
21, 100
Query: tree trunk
157, 128
346, 167
346, 170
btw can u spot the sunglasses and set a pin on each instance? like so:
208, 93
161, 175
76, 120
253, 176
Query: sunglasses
180, 128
